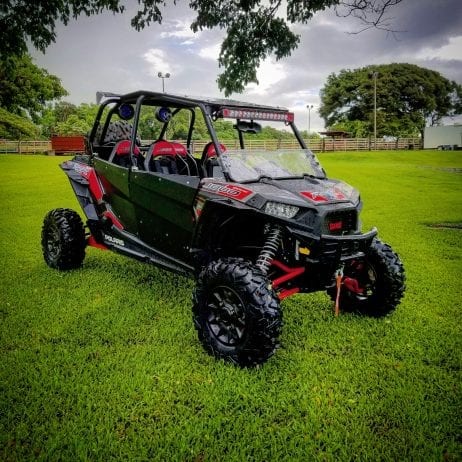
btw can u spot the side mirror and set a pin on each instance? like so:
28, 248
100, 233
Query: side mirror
248, 127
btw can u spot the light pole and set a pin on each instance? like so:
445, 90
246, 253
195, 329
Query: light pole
374, 76
309, 107
163, 77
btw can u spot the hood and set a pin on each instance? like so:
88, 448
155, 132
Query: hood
311, 190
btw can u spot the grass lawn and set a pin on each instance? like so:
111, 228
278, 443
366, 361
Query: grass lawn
103, 363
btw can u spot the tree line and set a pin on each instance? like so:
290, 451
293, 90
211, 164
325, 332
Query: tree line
254, 29
389, 99
407, 98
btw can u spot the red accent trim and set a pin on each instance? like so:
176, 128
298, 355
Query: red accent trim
113, 218
353, 286
92, 242
314, 196
288, 292
94, 185
90, 175
291, 273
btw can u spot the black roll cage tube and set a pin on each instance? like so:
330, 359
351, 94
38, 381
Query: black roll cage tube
206, 110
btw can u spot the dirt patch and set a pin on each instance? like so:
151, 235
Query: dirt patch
444, 169
445, 225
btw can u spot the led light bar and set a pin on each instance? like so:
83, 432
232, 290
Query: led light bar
252, 114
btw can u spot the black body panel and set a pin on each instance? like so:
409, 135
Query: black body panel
163, 206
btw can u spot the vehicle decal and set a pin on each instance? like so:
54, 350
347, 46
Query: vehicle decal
114, 240
91, 241
338, 194
335, 194
314, 196
198, 206
90, 175
228, 190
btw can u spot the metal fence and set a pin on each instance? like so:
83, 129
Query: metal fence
323, 144
317, 145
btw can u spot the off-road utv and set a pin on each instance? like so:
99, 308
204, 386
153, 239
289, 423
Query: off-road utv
252, 226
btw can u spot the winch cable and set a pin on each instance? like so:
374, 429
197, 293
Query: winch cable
338, 280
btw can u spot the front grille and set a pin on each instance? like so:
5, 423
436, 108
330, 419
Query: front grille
340, 222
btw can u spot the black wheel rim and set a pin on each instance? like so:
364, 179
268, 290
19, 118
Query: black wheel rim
53, 242
226, 317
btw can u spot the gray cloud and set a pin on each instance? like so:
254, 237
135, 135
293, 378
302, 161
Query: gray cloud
105, 53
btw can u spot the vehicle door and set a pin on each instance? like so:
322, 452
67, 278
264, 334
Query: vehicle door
163, 205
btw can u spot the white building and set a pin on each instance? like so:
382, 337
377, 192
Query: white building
446, 136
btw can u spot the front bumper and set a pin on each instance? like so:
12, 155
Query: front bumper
331, 250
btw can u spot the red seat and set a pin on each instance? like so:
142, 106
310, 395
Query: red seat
180, 149
122, 148
211, 166
120, 155
210, 151
168, 157
166, 148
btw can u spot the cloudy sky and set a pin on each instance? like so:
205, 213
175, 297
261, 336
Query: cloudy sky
104, 53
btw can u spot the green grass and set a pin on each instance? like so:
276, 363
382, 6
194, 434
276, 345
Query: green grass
103, 363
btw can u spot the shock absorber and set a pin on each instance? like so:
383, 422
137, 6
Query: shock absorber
273, 239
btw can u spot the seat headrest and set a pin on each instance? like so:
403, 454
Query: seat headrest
122, 148
180, 149
167, 148
210, 150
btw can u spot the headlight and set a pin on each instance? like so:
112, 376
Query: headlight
281, 210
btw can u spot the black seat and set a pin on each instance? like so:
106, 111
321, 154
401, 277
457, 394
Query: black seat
211, 165
168, 157
120, 155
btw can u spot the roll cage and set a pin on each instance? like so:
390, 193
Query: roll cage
244, 114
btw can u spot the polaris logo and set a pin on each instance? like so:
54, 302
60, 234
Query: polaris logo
114, 240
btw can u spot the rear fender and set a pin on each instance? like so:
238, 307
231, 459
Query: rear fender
86, 186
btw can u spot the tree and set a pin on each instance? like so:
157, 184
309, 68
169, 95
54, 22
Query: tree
15, 127
408, 97
255, 29
26, 88
64, 118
